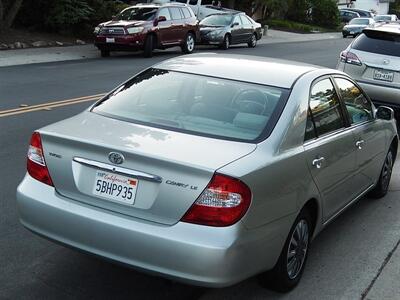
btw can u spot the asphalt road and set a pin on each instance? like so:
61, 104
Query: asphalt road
344, 259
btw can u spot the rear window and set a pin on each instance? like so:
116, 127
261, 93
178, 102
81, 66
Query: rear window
379, 43
197, 104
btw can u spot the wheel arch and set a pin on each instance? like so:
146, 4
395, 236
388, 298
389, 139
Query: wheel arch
314, 208
395, 145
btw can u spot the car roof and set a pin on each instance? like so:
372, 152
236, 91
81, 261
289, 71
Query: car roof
389, 28
254, 69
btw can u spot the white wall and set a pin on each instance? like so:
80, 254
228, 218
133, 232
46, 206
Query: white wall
376, 5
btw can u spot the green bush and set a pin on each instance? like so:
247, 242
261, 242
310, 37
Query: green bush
64, 14
325, 13
298, 10
290, 25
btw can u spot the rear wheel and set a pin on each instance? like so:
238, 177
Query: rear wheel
105, 53
189, 44
382, 186
149, 46
226, 42
253, 41
290, 266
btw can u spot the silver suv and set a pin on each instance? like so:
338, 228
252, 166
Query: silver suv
373, 60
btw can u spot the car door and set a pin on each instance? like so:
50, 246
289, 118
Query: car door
237, 30
247, 28
329, 148
165, 34
178, 32
368, 141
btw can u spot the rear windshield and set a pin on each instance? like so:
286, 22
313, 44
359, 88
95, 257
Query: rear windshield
359, 22
138, 14
197, 104
379, 43
217, 20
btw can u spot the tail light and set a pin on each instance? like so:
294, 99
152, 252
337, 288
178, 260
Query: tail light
222, 203
350, 58
36, 164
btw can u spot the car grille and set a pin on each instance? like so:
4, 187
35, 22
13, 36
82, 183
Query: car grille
112, 31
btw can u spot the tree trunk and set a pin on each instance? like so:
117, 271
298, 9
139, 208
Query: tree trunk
7, 17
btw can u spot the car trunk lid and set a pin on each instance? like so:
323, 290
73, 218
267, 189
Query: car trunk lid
169, 169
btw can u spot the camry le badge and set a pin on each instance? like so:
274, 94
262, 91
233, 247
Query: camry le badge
116, 158
386, 61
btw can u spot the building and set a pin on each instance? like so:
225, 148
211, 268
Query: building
377, 6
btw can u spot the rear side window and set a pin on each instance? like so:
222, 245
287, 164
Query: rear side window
357, 105
245, 21
186, 13
197, 104
325, 108
379, 43
175, 13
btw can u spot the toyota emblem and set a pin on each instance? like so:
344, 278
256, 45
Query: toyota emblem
116, 158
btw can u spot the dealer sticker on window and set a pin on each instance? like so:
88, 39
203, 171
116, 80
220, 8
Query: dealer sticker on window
115, 187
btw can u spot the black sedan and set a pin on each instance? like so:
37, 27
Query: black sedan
227, 29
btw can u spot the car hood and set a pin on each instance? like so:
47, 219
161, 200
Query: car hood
208, 29
123, 23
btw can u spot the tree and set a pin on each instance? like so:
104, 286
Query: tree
8, 12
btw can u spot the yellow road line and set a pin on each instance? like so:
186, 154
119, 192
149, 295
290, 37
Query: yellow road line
53, 104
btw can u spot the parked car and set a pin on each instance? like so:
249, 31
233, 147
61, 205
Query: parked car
361, 12
385, 18
204, 8
148, 27
373, 60
356, 26
346, 16
209, 169
226, 29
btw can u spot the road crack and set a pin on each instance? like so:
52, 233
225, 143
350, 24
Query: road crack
383, 265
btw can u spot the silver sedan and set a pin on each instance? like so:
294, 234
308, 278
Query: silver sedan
210, 169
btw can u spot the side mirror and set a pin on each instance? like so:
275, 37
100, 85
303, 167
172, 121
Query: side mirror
385, 113
235, 24
159, 19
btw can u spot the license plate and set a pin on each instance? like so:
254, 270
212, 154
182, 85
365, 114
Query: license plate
383, 75
115, 187
110, 40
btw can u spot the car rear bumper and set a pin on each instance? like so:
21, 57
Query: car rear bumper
120, 43
199, 255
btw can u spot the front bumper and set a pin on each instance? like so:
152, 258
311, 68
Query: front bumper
211, 39
120, 43
199, 255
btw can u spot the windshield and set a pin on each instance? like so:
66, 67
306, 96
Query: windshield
217, 20
196, 104
138, 14
359, 22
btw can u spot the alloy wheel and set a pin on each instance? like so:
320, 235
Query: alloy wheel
190, 43
297, 249
387, 170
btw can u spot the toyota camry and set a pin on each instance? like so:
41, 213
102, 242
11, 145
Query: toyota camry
210, 169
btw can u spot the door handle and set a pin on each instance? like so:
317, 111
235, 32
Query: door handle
318, 162
359, 144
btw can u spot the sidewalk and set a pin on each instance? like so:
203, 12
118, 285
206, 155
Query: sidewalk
42, 55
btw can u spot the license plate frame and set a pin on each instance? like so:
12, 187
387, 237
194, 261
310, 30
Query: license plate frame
110, 40
383, 75
115, 187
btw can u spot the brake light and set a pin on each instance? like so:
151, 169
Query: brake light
350, 58
222, 203
36, 165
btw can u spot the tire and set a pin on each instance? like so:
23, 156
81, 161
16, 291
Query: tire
148, 46
253, 41
344, 36
226, 43
382, 187
290, 266
189, 44
105, 53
